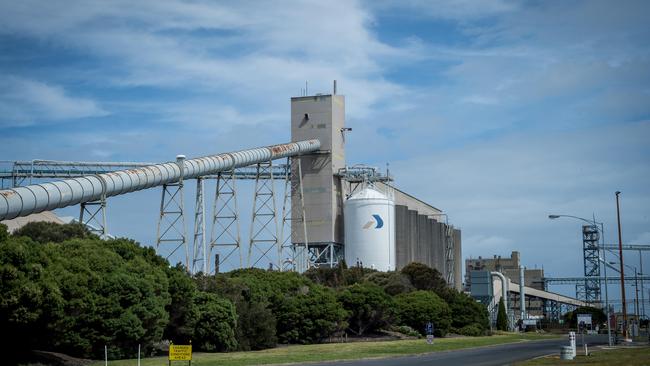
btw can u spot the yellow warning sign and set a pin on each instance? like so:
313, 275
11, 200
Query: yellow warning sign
179, 352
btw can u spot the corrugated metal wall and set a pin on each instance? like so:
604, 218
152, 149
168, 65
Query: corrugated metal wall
421, 239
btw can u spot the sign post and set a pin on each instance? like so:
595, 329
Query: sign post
180, 352
429, 331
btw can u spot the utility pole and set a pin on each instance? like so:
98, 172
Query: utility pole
620, 254
636, 296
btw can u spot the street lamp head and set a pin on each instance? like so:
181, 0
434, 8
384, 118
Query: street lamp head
618, 192
553, 217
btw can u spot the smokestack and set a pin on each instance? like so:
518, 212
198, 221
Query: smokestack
334, 93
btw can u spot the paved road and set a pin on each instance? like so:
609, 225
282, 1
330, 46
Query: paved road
485, 356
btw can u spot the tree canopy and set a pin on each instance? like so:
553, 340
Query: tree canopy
66, 290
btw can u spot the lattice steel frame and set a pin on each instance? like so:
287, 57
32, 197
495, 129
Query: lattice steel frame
325, 255
93, 216
225, 237
200, 258
171, 222
295, 255
590, 240
264, 230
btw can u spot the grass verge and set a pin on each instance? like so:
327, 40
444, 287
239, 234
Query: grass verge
338, 351
629, 356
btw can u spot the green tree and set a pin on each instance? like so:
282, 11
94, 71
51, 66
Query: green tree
256, 323
465, 311
309, 317
183, 310
368, 305
28, 295
393, 283
215, 326
50, 232
502, 316
424, 277
4, 233
417, 308
109, 300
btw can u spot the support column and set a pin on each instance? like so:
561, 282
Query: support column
200, 257
295, 255
171, 222
95, 224
264, 241
225, 236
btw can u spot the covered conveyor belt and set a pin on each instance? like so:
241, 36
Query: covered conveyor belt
23, 201
529, 291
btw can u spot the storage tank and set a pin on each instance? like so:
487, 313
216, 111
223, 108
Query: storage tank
370, 230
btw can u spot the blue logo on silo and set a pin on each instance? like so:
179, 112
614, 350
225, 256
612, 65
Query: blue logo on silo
378, 220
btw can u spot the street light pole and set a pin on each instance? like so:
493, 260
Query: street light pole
636, 296
609, 323
620, 254
642, 296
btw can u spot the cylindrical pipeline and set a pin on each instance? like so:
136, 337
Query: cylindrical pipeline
34, 198
504, 288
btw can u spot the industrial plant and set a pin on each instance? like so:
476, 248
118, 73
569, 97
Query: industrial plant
331, 210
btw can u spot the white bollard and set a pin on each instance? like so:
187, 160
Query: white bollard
572, 342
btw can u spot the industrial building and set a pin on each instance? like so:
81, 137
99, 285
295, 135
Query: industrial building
510, 268
357, 213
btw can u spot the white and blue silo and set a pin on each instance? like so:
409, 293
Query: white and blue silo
370, 230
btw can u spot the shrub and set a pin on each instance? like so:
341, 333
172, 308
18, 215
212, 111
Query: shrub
406, 330
108, 300
309, 317
393, 283
50, 232
472, 330
416, 309
215, 326
466, 311
425, 278
368, 305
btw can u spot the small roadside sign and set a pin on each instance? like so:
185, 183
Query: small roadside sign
429, 330
180, 352
584, 318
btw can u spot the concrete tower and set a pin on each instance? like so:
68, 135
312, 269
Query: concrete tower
320, 117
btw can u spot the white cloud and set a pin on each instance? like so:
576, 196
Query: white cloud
26, 102
240, 49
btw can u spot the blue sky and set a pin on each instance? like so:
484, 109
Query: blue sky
498, 112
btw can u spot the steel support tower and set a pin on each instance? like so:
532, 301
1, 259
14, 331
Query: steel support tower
591, 258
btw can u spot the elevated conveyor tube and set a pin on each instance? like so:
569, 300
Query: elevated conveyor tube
34, 198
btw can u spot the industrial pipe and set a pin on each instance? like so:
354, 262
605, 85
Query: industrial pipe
504, 289
34, 198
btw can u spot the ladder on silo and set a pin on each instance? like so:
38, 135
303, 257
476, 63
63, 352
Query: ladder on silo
449, 254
